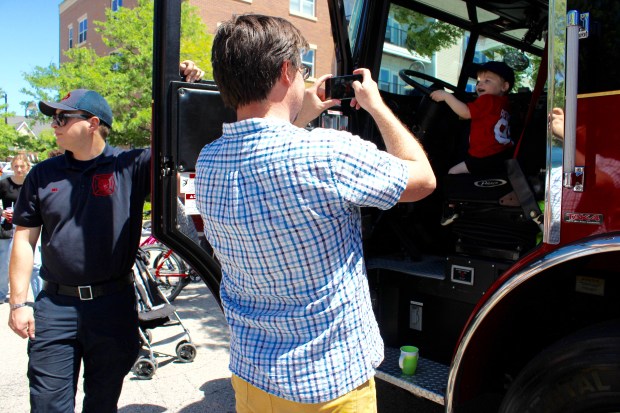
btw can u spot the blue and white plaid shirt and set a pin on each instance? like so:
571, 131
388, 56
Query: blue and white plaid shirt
281, 209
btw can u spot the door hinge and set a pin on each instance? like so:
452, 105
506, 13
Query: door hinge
167, 166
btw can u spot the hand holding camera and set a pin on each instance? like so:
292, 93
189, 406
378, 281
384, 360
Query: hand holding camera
341, 87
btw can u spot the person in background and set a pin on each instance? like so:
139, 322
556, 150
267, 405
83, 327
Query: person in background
281, 208
9, 190
87, 206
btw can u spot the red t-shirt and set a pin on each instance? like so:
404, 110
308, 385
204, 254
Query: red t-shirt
490, 130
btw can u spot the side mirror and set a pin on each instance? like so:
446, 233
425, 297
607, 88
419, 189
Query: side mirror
516, 60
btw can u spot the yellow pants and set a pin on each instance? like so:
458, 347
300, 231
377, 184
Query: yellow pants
250, 399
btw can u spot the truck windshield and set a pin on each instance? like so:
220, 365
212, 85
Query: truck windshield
436, 48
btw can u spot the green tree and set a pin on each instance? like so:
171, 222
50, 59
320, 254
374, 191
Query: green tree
526, 77
8, 134
426, 36
40, 145
124, 77
8, 137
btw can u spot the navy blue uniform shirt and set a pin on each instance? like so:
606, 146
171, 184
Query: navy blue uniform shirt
90, 213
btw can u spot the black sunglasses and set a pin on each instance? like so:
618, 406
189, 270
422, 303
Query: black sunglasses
60, 119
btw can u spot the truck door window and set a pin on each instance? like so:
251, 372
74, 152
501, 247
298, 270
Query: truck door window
353, 14
459, 9
524, 64
417, 42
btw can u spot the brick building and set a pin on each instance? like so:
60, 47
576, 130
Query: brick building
77, 19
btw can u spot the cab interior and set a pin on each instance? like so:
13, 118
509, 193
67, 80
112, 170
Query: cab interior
412, 48
473, 33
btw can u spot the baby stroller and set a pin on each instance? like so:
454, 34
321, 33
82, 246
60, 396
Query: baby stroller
154, 310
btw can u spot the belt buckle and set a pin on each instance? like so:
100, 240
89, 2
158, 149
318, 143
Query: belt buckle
86, 292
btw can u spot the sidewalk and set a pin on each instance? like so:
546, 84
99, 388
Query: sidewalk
200, 386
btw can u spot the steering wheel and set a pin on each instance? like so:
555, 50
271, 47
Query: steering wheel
407, 76
431, 119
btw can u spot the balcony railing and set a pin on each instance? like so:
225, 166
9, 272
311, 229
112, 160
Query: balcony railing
395, 35
392, 87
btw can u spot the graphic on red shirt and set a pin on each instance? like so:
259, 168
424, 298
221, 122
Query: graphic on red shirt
103, 185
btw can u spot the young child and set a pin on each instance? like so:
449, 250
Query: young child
489, 138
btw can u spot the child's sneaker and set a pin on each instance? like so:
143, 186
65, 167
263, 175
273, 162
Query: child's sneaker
449, 216
448, 220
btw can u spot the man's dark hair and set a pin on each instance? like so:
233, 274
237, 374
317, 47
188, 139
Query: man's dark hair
247, 56
55, 152
104, 130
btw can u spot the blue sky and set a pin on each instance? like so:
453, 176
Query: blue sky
29, 35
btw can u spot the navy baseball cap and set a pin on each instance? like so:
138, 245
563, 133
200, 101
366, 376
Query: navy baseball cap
81, 99
499, 68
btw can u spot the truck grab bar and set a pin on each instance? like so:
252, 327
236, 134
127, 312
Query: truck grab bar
577, 27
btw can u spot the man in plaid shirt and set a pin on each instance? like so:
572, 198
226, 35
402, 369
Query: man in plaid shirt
281, 207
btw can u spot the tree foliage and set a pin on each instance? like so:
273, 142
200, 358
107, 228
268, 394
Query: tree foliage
522, 78
40, 146
426, 36
8, 137
12, 142
8, 134
124, 77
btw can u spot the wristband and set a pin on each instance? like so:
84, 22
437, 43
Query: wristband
20, 305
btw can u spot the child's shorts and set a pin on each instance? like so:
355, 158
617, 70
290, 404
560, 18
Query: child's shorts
490, 164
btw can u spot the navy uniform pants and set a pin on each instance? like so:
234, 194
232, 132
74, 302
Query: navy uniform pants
102, 333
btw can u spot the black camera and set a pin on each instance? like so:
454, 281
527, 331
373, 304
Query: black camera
340, 87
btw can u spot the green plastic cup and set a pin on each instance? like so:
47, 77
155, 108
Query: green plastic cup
408, 360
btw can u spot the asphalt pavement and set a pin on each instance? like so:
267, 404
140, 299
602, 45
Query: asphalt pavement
200, 386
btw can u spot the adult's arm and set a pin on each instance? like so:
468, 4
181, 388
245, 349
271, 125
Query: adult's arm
398, 140
21, 320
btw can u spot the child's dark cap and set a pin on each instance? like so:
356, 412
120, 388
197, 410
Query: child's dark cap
499, 68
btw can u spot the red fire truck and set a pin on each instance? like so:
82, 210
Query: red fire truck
515, 306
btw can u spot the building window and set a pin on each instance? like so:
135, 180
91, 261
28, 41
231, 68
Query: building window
395, 33
308, 59
384, 79
116, 4
82, 31
397, 85
390, 81
305, 7
70, 37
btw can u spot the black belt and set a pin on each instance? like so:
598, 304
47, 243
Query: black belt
89, 292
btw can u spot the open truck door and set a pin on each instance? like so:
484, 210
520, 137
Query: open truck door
186, 116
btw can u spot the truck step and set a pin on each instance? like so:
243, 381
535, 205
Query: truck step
429, 381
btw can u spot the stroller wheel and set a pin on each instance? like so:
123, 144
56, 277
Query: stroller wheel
149, 335
144, 368
186, 352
